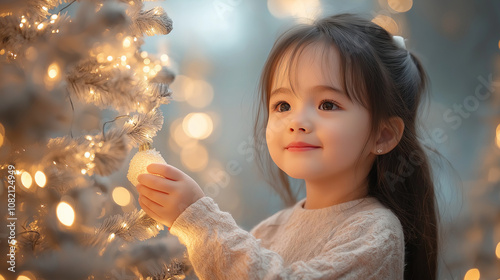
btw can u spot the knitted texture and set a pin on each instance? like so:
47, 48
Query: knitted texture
359, 239
139, 163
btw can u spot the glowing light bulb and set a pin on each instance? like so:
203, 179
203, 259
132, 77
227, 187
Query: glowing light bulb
65, 214
111, 237
197, 125
40, 179
121, 196
26, 179
127, 42
53, 70
87, 154
472, 274
40, 26
53, 17
497, 251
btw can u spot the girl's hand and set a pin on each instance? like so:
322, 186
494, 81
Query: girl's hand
166, 196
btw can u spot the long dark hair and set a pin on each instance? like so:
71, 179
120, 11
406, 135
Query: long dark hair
389, 81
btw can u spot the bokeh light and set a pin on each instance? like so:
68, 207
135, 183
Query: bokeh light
199, 93
25, 275
498, 136
40, 179
2, 133
1, 277
194, 157
387, 23
497, 251
197, 125
472, 274
302, 9
400, 6
65, 214
53, 70
26, 179
121, 196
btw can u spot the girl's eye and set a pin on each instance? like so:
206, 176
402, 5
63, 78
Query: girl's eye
328, 105
282, 106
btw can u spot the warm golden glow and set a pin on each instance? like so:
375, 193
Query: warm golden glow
22, 277
147, 61
53, 17
26, 179
387, 23
472, 274
497, 251
40, 179
109, 58
294, 8
194, 157
400, 6
53, 70
179, 136
164, 57
1, 277
197, 125
498, 136
199, 93
65, 214
1, 143
121, 196
84, 171
111, 237
144, 54
127, 42
40, 26
146, 69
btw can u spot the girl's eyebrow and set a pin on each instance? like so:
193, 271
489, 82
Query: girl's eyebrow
315, 89
321, 88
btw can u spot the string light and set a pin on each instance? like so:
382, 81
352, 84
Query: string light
126, 42
26, 180
40, 26
110, 58
111, 237
472, 274
121, 196
40, 179
53, 70
65, 214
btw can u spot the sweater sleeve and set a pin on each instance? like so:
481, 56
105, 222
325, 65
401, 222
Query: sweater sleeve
219, 249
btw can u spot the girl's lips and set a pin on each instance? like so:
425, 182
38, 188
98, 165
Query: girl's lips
301, 147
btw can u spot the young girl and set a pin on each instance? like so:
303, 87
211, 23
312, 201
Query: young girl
339, 105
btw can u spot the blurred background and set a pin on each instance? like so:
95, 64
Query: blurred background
218, 48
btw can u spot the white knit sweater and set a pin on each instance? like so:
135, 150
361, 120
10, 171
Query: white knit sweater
359, 239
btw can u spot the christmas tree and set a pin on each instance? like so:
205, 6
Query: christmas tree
59, 72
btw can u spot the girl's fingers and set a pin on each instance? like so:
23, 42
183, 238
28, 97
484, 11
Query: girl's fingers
148, 205
165, 170
157, 197
156, 183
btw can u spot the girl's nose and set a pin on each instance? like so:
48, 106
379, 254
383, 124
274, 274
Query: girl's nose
300, 123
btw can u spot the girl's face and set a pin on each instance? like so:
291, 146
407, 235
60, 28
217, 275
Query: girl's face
315, 132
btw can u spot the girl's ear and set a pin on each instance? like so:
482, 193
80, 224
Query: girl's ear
389, 135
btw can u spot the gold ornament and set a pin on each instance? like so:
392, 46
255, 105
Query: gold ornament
141, 160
